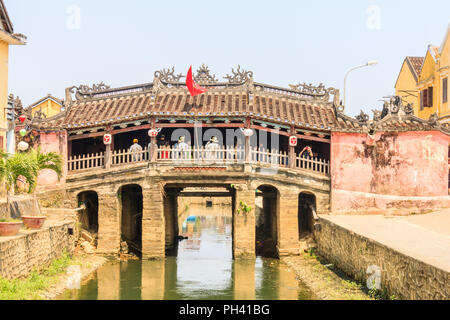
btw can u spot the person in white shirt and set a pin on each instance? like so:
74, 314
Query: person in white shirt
136, 151
182, 147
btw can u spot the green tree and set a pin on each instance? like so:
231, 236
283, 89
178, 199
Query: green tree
25, 167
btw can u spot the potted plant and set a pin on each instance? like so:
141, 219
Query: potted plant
9, 227
24, 167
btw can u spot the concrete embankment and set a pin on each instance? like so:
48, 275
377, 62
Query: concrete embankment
411, 253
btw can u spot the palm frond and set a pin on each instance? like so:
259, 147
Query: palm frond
27, 165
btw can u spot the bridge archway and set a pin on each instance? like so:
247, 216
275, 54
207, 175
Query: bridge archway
306, 206
89, 216
267, 204
131, 205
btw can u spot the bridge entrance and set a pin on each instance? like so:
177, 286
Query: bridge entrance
187, 207
267, 208
306, 209
89, 216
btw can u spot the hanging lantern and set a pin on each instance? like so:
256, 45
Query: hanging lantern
247, 132
23, 132
107, 139
293, 141
154, 132
23, 146
22, 118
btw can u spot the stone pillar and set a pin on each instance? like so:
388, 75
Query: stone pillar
171, 220
108, 222
244, 279
288, 243
153, 225
244, 223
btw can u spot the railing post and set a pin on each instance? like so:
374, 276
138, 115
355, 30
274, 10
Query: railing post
108, 157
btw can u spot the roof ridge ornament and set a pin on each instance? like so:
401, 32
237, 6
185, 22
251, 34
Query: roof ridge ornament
433, 121
168, 75
239, 76
318, 92
363, 117
204, 76
84, 91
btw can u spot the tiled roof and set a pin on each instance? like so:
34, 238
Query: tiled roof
416, 64
48, 96
214, 104
5, 22
304, 106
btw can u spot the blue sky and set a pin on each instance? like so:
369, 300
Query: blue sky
282, 42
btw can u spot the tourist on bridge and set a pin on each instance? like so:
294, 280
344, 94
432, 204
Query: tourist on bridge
182, 147
212, 148
136, 151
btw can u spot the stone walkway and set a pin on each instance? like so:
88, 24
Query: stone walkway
424, 237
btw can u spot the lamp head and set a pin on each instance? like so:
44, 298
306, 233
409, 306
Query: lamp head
372, 63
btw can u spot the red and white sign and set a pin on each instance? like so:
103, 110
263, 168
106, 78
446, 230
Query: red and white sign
154, 132
293, 141
107, 139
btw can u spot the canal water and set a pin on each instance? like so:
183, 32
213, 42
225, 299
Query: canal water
201, 269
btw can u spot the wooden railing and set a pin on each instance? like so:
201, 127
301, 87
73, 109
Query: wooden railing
86, 161
199, 155
119, 157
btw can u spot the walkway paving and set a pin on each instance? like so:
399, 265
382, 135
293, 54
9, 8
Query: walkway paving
424, 237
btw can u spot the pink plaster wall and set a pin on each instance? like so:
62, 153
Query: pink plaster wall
406, 166
53, 142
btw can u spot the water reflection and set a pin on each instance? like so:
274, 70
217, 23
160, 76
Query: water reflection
202, 269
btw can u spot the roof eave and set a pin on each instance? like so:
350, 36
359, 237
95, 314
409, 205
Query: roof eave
10, 39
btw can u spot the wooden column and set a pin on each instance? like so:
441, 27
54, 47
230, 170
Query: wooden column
153, 146
153, 150
292, 154
108, 157
247, 142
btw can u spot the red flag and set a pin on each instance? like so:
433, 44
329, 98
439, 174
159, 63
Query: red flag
193, 87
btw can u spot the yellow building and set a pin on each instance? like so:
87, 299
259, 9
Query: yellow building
46, 107
406, 85
7, 38
427, 86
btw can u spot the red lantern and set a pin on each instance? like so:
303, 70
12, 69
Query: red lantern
22, 118
293, 141
107, 139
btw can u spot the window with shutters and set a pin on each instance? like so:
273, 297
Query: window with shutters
430, 97
424, 98
1, 143
444, 90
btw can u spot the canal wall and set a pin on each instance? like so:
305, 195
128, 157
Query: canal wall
28, 250
402, 275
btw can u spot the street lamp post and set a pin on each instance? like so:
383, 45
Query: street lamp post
369, 63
